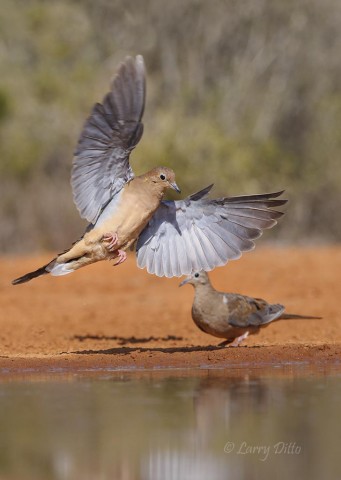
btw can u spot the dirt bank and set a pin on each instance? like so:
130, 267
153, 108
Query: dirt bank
122, 317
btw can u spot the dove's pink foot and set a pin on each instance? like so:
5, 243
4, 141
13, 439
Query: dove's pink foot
237, 341
122, 256
112, 239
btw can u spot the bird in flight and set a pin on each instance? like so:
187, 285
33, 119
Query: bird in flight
172, 238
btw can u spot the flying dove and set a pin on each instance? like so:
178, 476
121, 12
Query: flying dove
172, 238
230, 315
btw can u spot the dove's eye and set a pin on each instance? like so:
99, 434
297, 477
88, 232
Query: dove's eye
196, 275
162, 176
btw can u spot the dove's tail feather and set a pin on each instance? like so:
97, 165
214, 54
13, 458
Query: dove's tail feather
58, 269
276, 312
26, 278
54, 268
293, 316
271, 313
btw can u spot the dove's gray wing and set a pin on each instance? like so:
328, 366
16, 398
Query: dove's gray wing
253, 312
199, 234
101, 163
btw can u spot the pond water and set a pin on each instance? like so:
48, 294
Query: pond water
175, 425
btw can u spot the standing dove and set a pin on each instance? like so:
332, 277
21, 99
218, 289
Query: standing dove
230, 315
172, 238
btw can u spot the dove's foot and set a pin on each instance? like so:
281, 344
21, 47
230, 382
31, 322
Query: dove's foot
112, 239
237, 341
122, 256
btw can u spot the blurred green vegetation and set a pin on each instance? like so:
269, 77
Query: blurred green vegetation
246, 95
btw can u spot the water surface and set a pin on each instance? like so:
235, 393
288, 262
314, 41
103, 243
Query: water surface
204, 424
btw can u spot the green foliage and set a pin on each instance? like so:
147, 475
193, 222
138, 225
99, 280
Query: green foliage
5, 105
246, 95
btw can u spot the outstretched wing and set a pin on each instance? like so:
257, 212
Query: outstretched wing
200, 234
101, 163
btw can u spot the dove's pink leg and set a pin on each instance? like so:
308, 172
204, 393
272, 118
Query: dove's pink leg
237, 341
112, 238
122, 256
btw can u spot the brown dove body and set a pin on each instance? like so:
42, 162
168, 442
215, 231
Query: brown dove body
230, 315
211, 311
138, 201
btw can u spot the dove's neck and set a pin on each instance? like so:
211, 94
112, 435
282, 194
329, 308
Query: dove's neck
157, 190
154, 189
203, 289
147, 195
202, 300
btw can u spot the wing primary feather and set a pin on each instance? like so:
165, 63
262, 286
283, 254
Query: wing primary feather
258, 196
212, 256
150, 261
109, 134
240, 231
158, 261
201, 194
257, 204
182, 255
196, 264
167, 267
250, 222
236, 242
257, 213
142, 256
174, 257
227, 251
200, 249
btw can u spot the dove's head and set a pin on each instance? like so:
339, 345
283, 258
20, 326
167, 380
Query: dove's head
162, 178
196, 278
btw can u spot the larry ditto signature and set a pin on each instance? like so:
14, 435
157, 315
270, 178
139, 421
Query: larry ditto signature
263, 451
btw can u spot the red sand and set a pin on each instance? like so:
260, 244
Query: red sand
102, 317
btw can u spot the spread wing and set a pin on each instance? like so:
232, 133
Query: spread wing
200, 234
101, 163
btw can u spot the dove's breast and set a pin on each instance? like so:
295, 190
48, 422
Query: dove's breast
126, 214
210, 312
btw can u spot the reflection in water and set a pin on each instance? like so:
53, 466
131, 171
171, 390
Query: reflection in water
170, 428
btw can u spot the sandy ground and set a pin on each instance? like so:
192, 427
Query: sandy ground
105, 317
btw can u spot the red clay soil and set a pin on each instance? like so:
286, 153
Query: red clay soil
105, 317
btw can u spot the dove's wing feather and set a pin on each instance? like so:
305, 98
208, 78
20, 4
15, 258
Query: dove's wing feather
101, 163
200, 234
260, 313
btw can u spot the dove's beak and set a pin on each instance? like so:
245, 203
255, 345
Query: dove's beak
187, 280
175, 187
